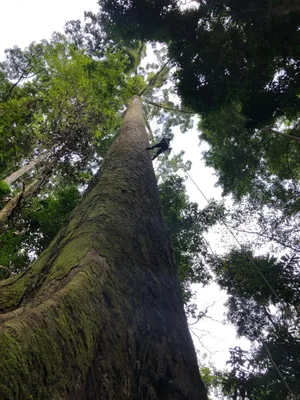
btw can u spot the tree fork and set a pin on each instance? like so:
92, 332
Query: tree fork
99, 315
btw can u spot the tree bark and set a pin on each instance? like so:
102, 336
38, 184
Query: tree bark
21, 171
100, 315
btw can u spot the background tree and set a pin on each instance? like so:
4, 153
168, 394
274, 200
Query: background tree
74, 100
267, 313
259, 165
186, 225
32, 230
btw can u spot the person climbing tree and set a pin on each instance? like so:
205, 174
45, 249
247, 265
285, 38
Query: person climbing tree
163, 145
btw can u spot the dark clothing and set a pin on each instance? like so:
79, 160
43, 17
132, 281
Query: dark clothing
162, 146
159, 151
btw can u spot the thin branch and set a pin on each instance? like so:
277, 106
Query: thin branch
262, 146
6, 97
219, 322
152, 103
154, 78
286, 135
202, 314
271, 238
24, 75
201, 343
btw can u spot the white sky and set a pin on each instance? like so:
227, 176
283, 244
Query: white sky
24, 21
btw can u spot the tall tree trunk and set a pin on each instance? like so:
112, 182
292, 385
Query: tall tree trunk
21, 171
100, 315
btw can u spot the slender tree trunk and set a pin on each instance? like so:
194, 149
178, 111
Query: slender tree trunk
100, 315
32, 189
21, 171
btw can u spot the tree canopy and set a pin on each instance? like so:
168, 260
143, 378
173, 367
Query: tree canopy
237, 64
223, 51
266, 312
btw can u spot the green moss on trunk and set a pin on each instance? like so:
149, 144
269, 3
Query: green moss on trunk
99, 315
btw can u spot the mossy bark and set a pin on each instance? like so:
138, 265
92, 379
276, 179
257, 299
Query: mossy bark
100, 315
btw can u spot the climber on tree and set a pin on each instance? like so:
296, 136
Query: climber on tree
163, 145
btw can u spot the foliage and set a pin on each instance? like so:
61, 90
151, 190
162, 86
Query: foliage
265, 227
213, 381
89, 37
17, 138
4, 191
48, 215
31, 231
167, 116
237, 64
223, 51
262, 164
253, 376
64, 101
186, 225
242, 268
263, 304
171, 164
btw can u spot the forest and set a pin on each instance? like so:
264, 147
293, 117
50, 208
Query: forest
101, 248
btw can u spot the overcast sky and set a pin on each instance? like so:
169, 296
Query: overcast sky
24, 21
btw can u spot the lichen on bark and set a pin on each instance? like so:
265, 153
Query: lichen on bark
100, 315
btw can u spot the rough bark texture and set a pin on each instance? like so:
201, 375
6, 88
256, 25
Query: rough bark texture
99, 315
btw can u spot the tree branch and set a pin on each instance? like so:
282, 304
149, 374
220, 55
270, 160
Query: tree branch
286, 135
152, 81
271, 238
152, 103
